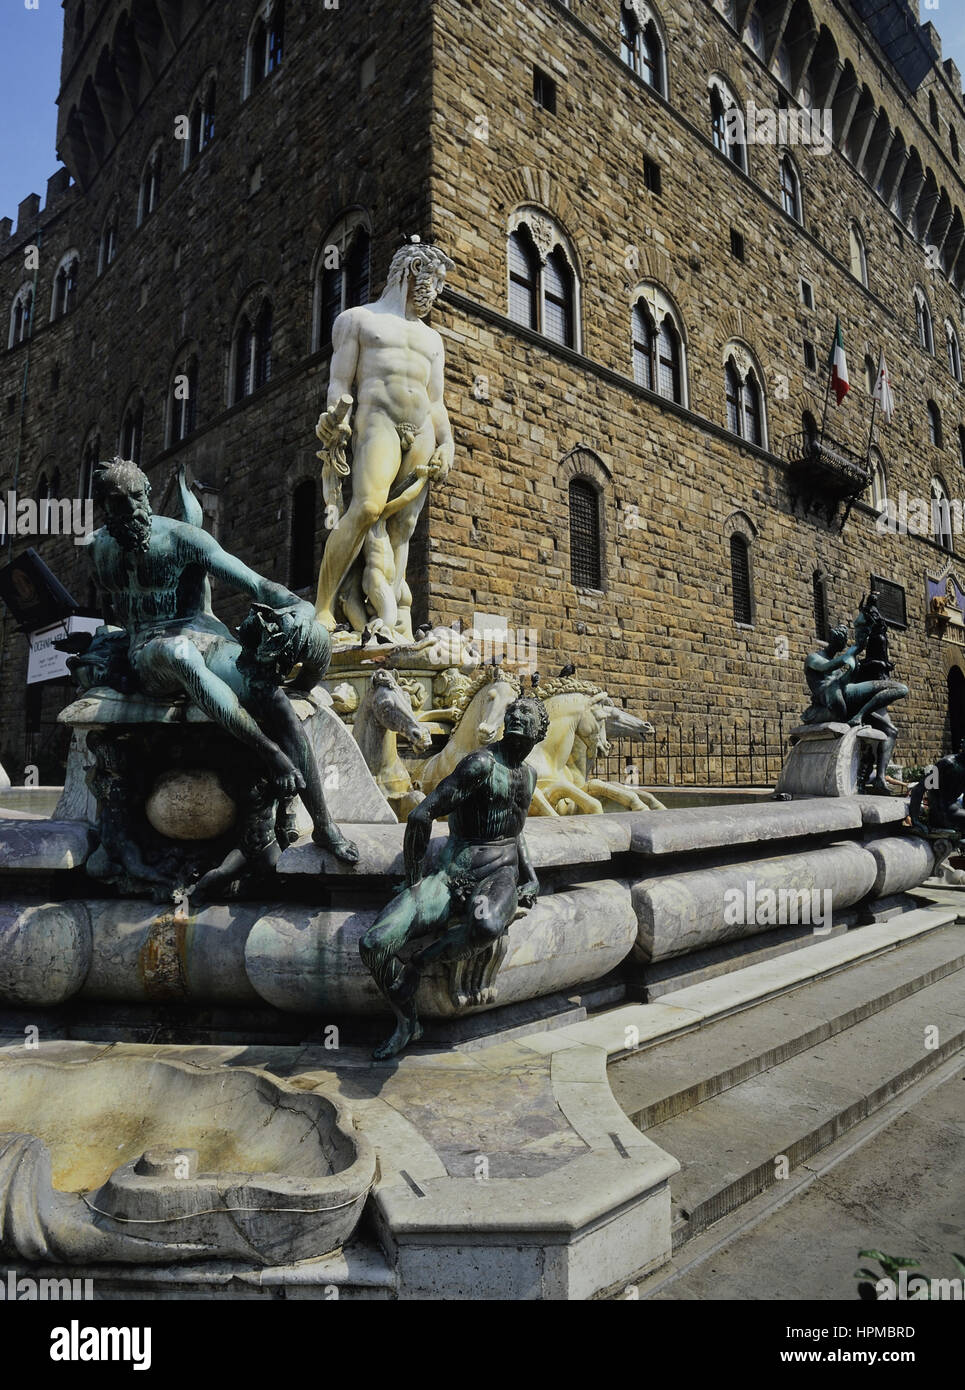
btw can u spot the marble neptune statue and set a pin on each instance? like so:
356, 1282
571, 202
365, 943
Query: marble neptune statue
385, 406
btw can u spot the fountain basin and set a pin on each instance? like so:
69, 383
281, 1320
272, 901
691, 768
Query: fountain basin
131, 1159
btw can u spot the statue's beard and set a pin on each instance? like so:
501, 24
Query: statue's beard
423, 297
131, 532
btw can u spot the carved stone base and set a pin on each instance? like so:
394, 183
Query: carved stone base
826, 760
135, 768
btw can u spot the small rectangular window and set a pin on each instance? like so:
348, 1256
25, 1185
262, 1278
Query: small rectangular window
651, 175
807, 293
736, 244
810, 356
544, 90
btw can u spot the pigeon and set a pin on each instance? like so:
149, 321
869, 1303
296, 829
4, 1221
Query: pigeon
423, 631
568, 670
365, 638
341, 627
534, 679
381, 638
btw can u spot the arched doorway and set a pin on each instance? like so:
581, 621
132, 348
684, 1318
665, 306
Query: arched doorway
956, 705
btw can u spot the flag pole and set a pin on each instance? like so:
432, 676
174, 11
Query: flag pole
874, 406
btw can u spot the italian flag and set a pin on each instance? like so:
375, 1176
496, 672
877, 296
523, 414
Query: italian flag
838, 365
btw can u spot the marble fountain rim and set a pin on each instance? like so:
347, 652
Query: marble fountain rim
355, 1180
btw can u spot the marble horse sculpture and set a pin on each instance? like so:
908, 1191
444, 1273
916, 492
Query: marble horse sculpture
385, 712
619, 723
482, 877
481, 706
577, 713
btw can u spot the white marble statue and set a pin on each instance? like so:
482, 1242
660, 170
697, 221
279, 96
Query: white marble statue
385, 406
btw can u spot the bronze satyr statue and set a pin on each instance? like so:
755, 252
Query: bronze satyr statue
944, 782
484, 872
152, 573
842, 693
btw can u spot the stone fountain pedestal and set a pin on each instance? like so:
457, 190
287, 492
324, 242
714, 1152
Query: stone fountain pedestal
826, 759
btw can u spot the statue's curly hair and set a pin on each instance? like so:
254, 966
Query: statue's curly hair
535, 707
120, 475
413, 251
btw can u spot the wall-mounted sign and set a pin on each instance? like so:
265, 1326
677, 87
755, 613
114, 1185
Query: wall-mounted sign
891, 601
33, 593
45, 662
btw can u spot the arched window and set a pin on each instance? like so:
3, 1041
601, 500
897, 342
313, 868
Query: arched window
953, 142
89, 460
923, 321
754, 35
961, 445
641, 46
523, 278
252, 350
879, 482
558, 298
727, 123
781, 66
107, 247
43, 490
805, 93
934, 424
265, 44
150, 189
201, 120
744, 398
740, 577
819, 598
586, 559
658, 352
953, 350
791, 189
302, 568
342, 275
751, 401
933, 111
183, 400
65, 285
132, 431
543, 283
870, 375
941, 515
859, 256
21, 315
732, 390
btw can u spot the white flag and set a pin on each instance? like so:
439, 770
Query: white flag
883, 393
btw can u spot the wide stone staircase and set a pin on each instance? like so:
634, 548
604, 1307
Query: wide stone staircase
745, 1100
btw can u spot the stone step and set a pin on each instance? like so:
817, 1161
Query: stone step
743, 1140
655, 1083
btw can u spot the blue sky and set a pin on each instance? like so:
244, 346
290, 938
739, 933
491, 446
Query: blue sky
30, 75
29, 79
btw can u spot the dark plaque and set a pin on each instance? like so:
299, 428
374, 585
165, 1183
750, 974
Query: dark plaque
891, 601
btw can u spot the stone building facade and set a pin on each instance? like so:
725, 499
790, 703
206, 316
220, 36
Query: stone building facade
652, 246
